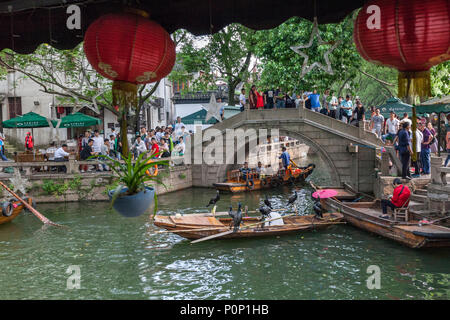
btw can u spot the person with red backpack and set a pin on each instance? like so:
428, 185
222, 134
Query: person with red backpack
29, 143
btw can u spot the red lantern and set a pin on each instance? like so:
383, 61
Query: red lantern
409, 35
129, 49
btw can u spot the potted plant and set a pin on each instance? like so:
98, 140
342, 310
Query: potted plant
133, 196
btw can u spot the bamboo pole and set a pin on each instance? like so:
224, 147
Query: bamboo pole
33, 210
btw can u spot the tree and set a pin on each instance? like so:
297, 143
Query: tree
226, 53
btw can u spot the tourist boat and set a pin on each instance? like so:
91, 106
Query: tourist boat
235, 182
12, 208
413, 233
196, 226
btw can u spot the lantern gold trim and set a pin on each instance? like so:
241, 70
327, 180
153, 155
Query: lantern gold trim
414, 84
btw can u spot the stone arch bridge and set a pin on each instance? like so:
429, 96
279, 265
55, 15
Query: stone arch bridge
348, 151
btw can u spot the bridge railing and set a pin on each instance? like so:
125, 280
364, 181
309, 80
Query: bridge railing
72, 165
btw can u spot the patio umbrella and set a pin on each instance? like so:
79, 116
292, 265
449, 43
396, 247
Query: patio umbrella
29, 120
396, 105
76, 120
324, 193
26, 121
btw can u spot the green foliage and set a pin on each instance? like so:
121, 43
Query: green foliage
226, 55
131, 174
57, 189
440, 79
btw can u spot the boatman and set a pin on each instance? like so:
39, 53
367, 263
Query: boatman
399, 199
285, 158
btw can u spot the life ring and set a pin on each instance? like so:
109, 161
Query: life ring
250, 184
7, 209
263, 181
155, 172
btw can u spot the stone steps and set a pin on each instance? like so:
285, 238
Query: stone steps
420, 192
419, 198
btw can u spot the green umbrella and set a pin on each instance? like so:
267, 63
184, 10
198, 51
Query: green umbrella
396, 105
28, 120
76, 120
435, 105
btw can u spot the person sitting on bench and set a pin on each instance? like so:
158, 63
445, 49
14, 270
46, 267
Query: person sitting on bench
60, 156
399, 198
246, 171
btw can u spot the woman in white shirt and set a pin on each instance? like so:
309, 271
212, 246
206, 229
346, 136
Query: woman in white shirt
180, 147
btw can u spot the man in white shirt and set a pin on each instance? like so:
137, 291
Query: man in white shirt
60, 155
391, 128
139, 146
242, 99
98, 142
332, 106
50, 152
406, 119
179, 124
180, 147
416, 164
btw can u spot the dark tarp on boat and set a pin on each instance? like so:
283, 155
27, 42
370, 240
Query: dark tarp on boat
44, 21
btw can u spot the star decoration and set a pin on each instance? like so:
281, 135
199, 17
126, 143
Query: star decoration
19, 183
213, 108
307, 68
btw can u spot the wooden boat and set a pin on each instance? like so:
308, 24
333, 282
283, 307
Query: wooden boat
366, 215
16, 208
193, 226
236, 183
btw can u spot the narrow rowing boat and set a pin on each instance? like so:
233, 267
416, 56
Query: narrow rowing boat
11, 209
412, 233
196, 227
255, 181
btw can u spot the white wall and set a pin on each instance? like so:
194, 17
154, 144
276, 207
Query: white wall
29, 92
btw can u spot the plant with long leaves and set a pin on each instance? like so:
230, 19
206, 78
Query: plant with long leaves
132, 174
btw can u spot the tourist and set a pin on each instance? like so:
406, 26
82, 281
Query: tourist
2, 148
425, 149
259, 100
180, 147
86, 153
325, 106
259, 169
98, 142
285, 158
447, 140
358, 115
60, 156
340, 110
29, 143
332, 106
85, 140
314, 98
377, 123
154, 151
178, 124
391, 128
169, 141
164, 148
242, 99
347, 107
113, 132
406, 119
279, 99
434, 142
143, 133
307, 101
106, 151
416, 164
268, 98
252, 97
404, 149
246, 171
50, 152
399, 198
138, 147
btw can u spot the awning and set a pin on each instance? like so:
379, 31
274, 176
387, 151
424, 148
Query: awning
45, 21
200, 116
396, 105
435, 105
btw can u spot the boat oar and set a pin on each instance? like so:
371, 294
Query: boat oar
243, 228
33, 210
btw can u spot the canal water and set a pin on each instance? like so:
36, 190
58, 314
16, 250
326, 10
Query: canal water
120, 258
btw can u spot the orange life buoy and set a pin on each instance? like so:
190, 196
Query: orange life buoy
155, 172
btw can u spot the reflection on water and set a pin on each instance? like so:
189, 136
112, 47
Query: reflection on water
124, 258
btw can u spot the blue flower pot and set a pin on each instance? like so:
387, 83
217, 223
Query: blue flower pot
134, 205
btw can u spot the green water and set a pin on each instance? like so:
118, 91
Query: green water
122, 258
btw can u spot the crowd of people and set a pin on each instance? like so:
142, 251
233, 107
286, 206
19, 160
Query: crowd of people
161, 142
391, 131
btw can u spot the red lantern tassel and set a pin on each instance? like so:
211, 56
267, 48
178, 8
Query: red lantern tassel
414, 84
124, 94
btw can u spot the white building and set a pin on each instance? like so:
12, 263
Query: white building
29, 97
